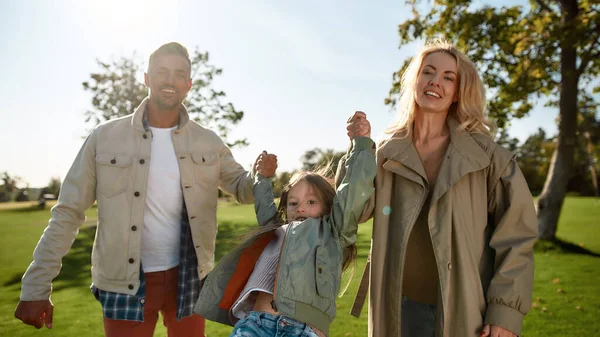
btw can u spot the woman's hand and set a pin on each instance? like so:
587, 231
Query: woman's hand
495, 331
358, 125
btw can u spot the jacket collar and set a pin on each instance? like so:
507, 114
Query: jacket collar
464, 155
140, 117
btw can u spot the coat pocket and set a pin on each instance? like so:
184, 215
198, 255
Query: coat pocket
206, 170
323, 273
112, 173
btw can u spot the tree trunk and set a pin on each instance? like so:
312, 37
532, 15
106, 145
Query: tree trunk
555, 187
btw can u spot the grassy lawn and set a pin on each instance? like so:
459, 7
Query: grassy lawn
566, 292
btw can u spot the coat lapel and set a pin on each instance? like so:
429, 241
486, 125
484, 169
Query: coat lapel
403, 159
464, 155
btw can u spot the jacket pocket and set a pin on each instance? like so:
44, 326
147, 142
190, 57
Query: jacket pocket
323, 273
206, 171
112, 173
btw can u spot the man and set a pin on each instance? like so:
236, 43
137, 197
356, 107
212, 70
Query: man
155, 175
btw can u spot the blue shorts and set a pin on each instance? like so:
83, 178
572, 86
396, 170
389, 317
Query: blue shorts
262, 324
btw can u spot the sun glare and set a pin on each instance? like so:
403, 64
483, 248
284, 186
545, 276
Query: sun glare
125, 20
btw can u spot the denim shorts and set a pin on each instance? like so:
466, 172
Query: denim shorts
262, 324
418, 319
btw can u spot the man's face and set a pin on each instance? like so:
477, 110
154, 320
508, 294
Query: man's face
168, 80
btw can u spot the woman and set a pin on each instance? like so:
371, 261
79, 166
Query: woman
454, 222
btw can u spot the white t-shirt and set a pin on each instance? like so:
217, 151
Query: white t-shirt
164, 202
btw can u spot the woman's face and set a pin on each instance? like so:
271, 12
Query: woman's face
437, 83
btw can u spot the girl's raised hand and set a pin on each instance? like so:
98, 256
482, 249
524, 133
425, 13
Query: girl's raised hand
358, 125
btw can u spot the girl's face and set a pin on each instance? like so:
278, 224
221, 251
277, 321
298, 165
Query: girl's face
437, 84
303, 202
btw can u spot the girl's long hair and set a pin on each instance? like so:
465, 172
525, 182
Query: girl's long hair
469, 110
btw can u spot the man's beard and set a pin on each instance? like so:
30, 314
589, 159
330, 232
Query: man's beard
166, 105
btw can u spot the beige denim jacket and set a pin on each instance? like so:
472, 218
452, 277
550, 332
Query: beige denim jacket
112, 169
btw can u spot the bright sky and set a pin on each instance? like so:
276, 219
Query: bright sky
298, 69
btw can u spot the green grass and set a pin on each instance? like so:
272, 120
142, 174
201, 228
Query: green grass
572, 311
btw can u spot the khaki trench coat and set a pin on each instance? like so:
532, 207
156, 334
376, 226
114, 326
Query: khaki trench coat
482, 224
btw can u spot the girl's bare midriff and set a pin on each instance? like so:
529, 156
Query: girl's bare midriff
263, 304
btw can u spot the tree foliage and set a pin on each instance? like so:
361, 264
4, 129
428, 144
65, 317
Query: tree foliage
316, 159
116, 92
547, 49
534, 157
281, 181
9, 186
53, 186
517, 48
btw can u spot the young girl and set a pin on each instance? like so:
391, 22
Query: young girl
286, 277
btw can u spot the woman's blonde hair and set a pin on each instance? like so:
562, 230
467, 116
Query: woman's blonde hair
468, 110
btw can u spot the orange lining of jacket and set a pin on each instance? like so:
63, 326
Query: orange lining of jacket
244, 269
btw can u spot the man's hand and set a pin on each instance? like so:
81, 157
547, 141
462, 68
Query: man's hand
36, 313
358, 125
266, 164
495, 331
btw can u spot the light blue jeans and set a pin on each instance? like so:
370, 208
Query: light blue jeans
418, 319
262, 324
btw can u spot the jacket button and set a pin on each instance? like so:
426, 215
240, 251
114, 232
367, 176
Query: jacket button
142, 161
113, 161
449, 266
137, 194
134, 228
130, 287
142, 301
320, 270
131, 260
144, 136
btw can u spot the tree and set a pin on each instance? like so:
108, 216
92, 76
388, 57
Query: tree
534, 157
53, 186
280, 182
589, 127
8, 187
317, 158
502, 138
116, 92
550, 49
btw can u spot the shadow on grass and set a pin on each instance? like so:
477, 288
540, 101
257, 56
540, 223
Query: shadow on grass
229, 236
28, 209
76, 266
33, 209
16, 278
562, 247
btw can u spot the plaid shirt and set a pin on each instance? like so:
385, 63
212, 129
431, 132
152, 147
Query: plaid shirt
131, 307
